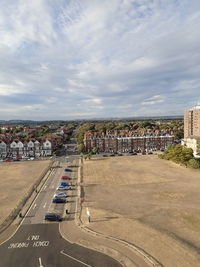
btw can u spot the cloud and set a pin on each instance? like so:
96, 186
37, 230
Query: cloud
98, 58
156, 99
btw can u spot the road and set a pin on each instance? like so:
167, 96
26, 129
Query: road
38, 243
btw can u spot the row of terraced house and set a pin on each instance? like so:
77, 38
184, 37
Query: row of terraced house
16, 149
111, 143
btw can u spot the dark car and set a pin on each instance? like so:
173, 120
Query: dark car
64, 184
59, 200
68, 170
53, 217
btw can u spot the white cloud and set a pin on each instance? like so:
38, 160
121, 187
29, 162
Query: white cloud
8, 89
115, 56
156, 99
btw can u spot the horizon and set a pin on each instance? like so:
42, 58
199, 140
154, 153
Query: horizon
88, 59
100, 119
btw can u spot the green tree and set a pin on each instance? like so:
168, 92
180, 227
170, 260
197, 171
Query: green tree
80, 147
179, 135
198, 147
178, 154
94, 150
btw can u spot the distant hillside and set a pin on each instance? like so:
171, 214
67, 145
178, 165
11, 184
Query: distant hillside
141, 118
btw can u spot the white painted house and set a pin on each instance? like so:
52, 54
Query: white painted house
26, 149
3, 149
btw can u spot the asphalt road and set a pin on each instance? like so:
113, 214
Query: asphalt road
38, 243
42, 246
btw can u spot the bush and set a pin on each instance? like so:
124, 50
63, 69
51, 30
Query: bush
178, 154
194, 163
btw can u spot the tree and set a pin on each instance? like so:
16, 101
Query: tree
179, 135
198, 147
80, 147
94, 150
178, 154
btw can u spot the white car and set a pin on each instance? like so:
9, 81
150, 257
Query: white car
60, 194
61, 187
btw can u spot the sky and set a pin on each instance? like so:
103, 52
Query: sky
82, 59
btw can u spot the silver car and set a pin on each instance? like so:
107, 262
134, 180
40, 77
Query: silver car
61, 187
60, 195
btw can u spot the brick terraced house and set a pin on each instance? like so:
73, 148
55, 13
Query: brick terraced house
122, 144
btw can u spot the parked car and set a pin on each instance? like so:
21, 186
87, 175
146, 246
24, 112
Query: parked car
7, 160
64, 184
53, 217
59, 200
66, 178
68, 170
60, 195
120, 154
61, 187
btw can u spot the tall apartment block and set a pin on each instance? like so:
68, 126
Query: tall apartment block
192, 128
192, 122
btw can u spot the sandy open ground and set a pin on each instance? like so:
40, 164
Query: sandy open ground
150, 202
16, 179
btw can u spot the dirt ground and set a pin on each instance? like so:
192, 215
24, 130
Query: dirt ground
16, 179
152, 203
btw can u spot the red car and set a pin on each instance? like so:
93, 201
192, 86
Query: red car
66, 178
7, 160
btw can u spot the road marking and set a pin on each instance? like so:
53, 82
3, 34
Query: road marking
45, 187
75, 259
41, 244
34, 206
45, 205
40, 262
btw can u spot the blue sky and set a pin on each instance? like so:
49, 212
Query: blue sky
68, 59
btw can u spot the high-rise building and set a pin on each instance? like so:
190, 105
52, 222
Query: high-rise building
192, 129
192, 122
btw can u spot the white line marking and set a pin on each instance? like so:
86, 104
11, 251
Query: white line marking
34, 206
40, 262
45, 187
45, 205
75, 259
